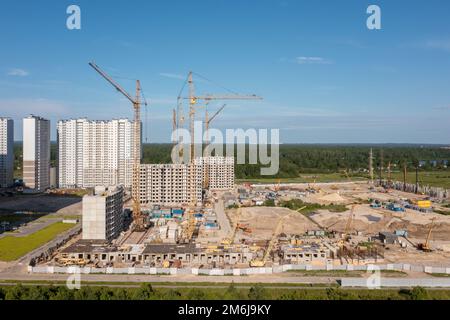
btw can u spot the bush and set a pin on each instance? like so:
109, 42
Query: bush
419, 293
257, 292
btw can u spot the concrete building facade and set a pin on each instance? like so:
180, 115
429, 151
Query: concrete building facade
170, 184
219, 172
95, 153
6, 152
103, 213
36, 153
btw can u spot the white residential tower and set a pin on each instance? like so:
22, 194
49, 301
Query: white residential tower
36, 153
6, 152
94, 153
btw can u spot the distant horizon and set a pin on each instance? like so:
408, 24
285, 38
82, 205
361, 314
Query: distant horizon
374, 144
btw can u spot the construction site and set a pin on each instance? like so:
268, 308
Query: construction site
194, 215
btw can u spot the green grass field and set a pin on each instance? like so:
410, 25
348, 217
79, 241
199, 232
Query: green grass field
26, 217
12, 248
306, 178
431, 178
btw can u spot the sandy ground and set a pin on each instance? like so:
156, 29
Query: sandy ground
263, 221
371, 221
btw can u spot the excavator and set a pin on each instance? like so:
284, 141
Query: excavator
426, 246
346, 235
230, 239
262, 262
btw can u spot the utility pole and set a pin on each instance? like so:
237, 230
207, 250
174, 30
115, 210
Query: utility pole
417, 179
389, 173
404, 176
371, 165
381, 166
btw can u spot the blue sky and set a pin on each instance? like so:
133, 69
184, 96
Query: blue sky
324, 76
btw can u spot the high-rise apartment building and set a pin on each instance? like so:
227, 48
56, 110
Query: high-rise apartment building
103, 213
6, 152
95, 153
170, 184
36, 153
176, 184
218, 172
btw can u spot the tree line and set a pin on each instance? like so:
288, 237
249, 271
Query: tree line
256, 292
310, 159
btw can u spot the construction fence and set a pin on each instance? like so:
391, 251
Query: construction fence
237, 271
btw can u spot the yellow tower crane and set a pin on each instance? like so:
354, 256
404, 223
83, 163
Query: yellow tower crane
345, 236
138, 217
207, 123
230, 239
193, 99
262, 262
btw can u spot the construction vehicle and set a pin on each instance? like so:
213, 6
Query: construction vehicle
139, 220
277, 186
262, 262
426, 246
72, 261
230, 239
244, 227
346, 234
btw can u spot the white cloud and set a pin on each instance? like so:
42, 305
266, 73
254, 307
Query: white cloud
172, 75
438, 44
23, 107
312, 60
18, 72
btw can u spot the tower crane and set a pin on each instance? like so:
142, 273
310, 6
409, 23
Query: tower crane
278, 228
193, 99
138, 218
209, 120
349, 223
207, 123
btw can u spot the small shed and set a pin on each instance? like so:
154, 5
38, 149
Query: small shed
388, 237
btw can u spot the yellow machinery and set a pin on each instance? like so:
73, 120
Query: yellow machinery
138, 217
166, 264
73, 261
345, 235
262, 262
230, 239
426, 246
424, 204
277, 186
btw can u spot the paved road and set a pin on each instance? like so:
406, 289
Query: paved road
32, 227
281, 278
224, 222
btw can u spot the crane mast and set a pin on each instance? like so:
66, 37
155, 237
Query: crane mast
192, 104
138, 218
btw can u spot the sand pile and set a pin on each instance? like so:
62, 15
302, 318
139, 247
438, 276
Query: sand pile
333, 198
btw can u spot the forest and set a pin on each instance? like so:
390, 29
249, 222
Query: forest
296, 159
